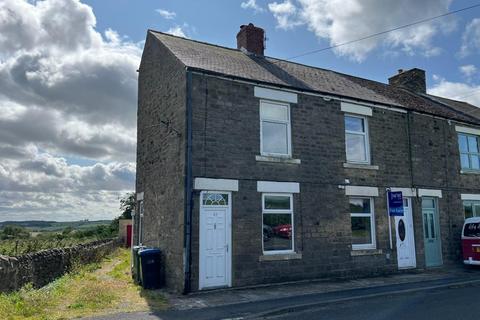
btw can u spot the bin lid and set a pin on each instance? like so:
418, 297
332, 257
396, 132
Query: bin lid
150, 251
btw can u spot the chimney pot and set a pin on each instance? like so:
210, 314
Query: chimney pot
413, 80
252, 39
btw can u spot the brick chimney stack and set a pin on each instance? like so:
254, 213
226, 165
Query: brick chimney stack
252, 39
413, 80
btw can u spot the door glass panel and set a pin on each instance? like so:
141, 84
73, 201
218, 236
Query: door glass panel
401, 230
432, 226
405, 202
425, 226
215, 199
428, 203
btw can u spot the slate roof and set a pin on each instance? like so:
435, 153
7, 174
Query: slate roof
234, 63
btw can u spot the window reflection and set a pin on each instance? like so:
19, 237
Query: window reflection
277, 232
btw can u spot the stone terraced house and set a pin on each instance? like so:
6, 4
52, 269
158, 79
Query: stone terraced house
254, 170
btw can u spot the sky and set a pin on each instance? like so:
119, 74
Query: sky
68, 80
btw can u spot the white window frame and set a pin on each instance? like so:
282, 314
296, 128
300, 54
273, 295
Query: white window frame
371, 215
278, 211
473, 204
468, 153
289, 131
364, 134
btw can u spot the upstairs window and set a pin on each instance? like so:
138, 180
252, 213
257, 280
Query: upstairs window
275, 137
356, 139
469, 153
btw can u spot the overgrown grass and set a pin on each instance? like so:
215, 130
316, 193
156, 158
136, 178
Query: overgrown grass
88, 290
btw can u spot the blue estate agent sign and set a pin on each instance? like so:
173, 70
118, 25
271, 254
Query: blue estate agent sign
395, 203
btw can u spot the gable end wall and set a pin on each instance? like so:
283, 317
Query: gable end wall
161, 156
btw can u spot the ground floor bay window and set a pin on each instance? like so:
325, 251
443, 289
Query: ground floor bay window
362, 223
277, 217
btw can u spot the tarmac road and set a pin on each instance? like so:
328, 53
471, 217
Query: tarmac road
455, 298
449, 303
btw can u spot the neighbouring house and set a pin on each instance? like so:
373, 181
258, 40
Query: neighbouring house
255, 170
125, 232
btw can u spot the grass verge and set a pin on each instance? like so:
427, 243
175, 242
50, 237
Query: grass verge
94, 289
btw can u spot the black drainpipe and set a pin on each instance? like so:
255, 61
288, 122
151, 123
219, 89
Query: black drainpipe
188, 188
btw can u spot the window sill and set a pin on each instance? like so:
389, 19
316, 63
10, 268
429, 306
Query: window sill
470, 171
365, 252
277, 159
360, 166
280, 257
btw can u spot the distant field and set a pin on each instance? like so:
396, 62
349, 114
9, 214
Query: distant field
41, 235
54, 226
17, 247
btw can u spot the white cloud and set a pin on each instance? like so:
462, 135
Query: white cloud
471, 38
251, 4
169, 15
285, 13
468, 70
66, 91
340, 21
177, 31
43, 172
40, 185
437, 78
458, 91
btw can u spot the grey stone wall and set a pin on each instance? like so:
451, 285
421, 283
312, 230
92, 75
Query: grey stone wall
161, 156
226, 141
44, 266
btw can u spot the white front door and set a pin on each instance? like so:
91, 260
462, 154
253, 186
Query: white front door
215, 239
405, 237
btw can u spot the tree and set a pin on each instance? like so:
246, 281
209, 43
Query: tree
127, 205
14, 232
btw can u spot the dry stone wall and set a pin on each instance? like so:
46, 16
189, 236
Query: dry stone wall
42, 267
